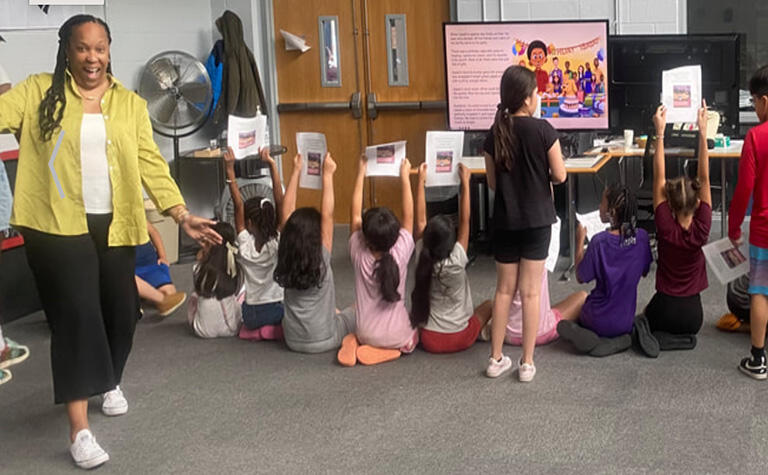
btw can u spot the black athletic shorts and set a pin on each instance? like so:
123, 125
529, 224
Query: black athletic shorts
512, 245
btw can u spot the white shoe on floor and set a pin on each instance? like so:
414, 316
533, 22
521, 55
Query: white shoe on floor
86, 452
114, 403
525, 371
497, 368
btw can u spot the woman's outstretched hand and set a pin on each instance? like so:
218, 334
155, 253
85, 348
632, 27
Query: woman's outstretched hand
200, 230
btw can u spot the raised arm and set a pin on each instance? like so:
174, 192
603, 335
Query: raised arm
490, 172
291, 190
556, 165
659, 171
326, 208
463, 235
705, 192
356, 210
277, 186
234, 191
407, 195
421, 203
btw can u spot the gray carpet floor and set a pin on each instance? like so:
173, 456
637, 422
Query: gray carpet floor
228, 406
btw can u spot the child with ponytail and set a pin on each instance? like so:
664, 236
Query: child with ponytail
258, 226
213, 309
522, 160
683, 218
380, 249
441, 301
615, 259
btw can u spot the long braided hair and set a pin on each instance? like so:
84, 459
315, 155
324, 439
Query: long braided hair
52, 106
622, 209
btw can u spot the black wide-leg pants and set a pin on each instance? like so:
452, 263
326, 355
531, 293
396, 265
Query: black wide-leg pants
89, 297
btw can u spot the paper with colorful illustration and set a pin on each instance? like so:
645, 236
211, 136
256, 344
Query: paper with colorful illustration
443, 153
245, 135
312, 147
385, 159
681, 93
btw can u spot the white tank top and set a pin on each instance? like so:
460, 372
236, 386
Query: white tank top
97, 189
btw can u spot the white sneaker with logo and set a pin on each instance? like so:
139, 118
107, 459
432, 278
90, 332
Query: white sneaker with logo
497, 368
114, 403
86, 452
525, 371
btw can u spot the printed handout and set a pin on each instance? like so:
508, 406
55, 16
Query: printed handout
385, 159
554, 247
246, 134
312, 147
443, 151
681, 93
726, 261
592, 222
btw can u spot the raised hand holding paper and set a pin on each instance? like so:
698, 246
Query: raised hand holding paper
246, 134
385, 159
592, 222
681, 93
312, 147
443, 154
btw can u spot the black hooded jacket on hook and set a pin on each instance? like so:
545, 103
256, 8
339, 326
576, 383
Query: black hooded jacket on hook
241, 85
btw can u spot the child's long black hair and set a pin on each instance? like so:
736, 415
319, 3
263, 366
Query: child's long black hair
437, 243
622, 208
517, 84
261, 219
219, 274
300, 262
381, 229
52, 106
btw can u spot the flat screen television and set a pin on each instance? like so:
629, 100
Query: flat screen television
635, 64
569, 57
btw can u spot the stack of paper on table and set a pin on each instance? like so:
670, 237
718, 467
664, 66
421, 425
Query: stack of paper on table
583, 162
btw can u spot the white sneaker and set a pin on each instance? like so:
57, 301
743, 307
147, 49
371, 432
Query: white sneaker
114, 403
525, 371
86, 452
497, 368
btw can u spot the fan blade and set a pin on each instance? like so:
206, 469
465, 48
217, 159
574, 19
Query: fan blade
195, 92
162, 109
165, 72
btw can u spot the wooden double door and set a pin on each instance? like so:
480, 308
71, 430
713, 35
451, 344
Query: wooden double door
381, 79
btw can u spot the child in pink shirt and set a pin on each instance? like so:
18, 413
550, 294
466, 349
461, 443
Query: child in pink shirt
380, 249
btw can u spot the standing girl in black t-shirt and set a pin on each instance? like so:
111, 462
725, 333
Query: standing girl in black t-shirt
522, 159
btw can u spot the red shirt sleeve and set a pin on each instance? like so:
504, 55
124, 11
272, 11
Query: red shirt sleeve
744, 187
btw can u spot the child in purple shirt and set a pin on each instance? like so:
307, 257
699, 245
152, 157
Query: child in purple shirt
616, 259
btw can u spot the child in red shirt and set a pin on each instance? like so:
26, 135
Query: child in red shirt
683, 217
753, 180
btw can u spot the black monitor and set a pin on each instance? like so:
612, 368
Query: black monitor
636, 63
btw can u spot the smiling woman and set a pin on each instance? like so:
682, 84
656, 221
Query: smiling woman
86, 149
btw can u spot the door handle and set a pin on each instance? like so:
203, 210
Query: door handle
374, 107
355, 104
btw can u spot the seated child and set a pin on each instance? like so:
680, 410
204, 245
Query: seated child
153, 277
683, 218
213, 309
615, 259
567, 309
380, 249
258, 234
441, 300
737, 299
311, 323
